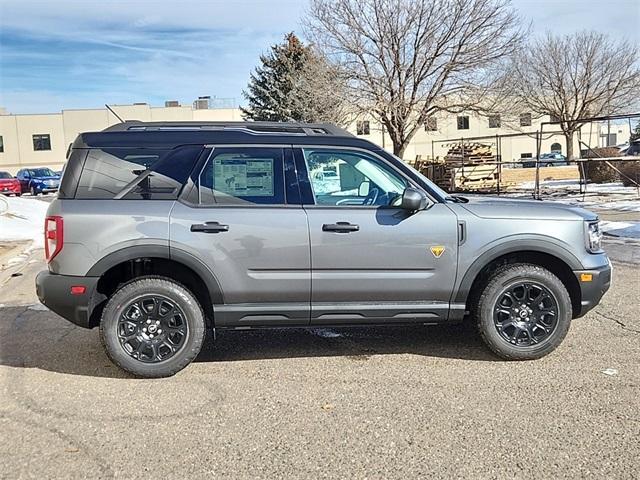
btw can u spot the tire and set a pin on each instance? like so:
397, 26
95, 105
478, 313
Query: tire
33, 192
125, 317
514, 332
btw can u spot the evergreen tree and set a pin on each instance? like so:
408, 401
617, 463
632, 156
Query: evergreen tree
271, 85
295, 83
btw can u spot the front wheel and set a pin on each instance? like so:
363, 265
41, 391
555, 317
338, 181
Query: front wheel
524, 312
152, 327
33, 191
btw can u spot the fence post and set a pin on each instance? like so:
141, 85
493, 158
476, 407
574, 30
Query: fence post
499, 158
536, 190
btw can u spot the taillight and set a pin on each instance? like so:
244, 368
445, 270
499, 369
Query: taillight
53, 237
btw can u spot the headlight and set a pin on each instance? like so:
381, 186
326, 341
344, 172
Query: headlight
593, 237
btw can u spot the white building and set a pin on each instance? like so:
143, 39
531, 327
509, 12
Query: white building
43, 139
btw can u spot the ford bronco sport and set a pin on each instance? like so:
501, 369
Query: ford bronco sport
163, 230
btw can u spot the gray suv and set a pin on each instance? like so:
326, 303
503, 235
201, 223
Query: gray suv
163, 230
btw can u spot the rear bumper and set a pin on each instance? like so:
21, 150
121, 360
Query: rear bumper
54, 291
592, 290
10, 189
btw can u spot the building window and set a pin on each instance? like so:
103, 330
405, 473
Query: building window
525, 120
526, 155
362, 127
494, 121
431, 124
41, 142
463, 123
1, 144
556, 147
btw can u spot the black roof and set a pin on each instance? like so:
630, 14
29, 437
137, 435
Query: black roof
170, 134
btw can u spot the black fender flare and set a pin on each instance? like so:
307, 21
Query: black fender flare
533, 244
162, 251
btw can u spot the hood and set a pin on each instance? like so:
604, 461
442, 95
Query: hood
9, 180
505, 208
51, 177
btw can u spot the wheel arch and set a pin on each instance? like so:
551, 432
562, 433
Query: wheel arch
133, 262
554, 258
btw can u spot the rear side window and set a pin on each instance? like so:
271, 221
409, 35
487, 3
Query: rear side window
251, 175
136, 174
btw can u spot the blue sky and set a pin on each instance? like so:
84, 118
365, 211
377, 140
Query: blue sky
57, 54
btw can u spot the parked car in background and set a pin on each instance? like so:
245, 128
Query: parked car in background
552, 159
38, 180
9, 185
633, 149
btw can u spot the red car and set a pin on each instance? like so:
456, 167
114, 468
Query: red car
9, 185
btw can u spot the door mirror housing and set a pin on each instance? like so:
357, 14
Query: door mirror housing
413, 199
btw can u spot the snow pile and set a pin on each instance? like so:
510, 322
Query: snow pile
621, 229
22, 219
609, 196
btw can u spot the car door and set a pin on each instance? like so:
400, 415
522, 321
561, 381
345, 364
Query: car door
24, 178
241, 215
372, 261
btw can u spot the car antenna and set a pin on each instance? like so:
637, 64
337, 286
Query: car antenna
111, 110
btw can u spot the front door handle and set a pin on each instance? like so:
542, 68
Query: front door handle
209, 227
340, 227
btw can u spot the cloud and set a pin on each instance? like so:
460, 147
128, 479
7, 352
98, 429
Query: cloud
72, 54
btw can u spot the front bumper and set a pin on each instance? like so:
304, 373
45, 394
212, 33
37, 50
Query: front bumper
54, 291
592, 291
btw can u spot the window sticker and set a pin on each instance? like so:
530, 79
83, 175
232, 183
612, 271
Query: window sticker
245, 177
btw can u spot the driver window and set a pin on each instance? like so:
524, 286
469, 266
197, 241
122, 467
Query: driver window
351, 178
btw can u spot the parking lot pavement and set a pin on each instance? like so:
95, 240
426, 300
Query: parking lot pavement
396, 402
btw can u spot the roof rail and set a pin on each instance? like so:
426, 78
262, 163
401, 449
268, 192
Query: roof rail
254, 128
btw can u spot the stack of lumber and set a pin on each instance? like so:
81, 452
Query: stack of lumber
471, 166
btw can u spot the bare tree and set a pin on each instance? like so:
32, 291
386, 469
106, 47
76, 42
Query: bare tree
574, 77
407, 60
321, 93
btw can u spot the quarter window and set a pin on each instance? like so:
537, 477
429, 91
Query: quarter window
136, 174
463, 123
240, 176
41, 142
346, 178
1, 144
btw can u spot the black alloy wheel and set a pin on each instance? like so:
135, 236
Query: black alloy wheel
526, 314
152, 328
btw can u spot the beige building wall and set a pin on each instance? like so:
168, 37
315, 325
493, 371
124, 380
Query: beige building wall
17, 132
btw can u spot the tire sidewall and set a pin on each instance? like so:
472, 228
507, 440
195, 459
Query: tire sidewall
507, 278
144, 287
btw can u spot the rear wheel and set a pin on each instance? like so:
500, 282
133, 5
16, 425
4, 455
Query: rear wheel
524, 312
152, 327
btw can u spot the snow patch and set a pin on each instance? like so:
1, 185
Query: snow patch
22, 219
326, 333
621, 229
37, 306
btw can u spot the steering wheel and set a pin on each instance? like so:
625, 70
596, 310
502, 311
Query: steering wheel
371, 197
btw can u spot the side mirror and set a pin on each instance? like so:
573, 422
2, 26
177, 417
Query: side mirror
413, 199
363, 189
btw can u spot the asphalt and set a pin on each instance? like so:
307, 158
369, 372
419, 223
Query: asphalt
394, 402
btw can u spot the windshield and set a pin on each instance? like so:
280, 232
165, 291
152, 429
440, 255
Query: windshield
42, 172
5, 175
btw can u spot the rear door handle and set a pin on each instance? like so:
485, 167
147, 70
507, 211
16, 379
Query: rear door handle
209, 227
340, 227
